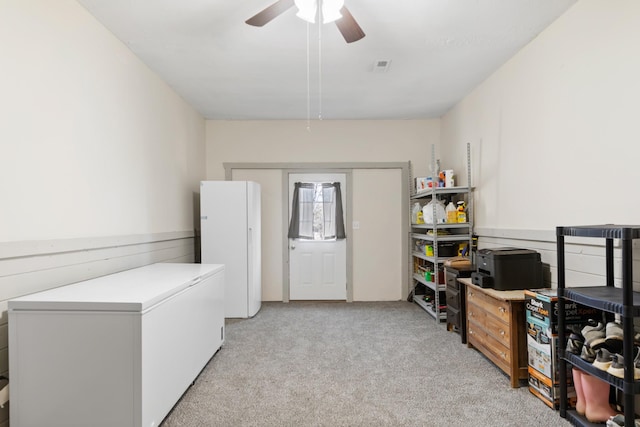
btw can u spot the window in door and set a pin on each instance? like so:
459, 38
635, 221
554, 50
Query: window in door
317, 212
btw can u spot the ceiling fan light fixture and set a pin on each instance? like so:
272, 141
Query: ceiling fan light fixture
331, 10
307, 10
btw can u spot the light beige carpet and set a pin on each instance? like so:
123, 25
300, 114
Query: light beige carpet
352, 364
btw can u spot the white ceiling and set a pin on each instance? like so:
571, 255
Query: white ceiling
439, 51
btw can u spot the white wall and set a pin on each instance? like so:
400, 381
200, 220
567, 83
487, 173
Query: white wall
327, 141
93, 142
99, 158
377, 260
556, 129
555, 133
271, 217
377, 245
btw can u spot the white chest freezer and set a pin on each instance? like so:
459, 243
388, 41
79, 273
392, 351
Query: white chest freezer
118, 350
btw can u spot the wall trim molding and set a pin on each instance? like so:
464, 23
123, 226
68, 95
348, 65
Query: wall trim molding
19, 249
308, 167
548, 236
517, 234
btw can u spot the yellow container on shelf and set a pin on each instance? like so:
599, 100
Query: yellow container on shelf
461, 214
451, 213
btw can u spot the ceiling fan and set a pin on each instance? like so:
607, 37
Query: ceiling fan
332, 11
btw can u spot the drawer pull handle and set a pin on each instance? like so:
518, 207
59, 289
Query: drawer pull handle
470, 294
502, 309
471, 314
504, 355
501, 332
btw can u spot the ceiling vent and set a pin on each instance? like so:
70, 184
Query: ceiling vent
381, 66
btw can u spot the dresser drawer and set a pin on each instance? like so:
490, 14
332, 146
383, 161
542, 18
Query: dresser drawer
500, 309
498, 349
476, 314
475, 332
498, 329
453, 298
477, 297
451, 280
490, 347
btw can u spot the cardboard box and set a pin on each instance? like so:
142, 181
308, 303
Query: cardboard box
542, 309
541, 357
542, 328
423, 184
448, 178
541, 387
542, 342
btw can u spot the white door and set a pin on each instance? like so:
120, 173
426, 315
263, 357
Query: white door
317, 268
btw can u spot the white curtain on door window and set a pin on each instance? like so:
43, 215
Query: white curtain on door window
316, 212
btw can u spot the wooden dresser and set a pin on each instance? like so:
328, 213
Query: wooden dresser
496, 327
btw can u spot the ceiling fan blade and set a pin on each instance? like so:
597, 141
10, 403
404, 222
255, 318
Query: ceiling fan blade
348, 26
271, 12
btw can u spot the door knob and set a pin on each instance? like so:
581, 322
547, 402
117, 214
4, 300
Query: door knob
293, 246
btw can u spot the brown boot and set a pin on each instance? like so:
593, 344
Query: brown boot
577, 384
596, 398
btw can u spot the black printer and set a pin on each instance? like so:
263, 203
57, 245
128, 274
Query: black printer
506, 269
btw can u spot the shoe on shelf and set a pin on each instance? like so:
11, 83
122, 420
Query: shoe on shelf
594, 335
587, 354
617, 366
618, 421
613, 336
575, 343
604, 359
613, 330
615, 421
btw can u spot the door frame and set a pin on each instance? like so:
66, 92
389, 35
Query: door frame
340, 167
348, 199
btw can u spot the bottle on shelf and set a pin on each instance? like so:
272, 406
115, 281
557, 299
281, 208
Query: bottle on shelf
451, 213
416, 214
461, 214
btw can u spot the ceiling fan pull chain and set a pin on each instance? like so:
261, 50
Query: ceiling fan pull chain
308, 82
320, 66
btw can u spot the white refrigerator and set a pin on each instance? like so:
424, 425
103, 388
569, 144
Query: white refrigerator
231, 235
